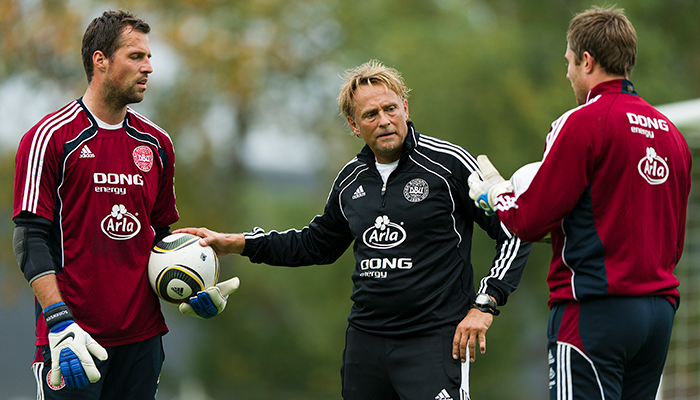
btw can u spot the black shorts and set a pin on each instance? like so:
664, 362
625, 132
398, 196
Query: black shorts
611, 348
415, 367
130, 372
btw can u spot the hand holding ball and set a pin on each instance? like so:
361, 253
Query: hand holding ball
179, 268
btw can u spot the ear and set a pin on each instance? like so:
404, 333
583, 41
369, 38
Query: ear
100, 61
588, 62
353, 126
405, 107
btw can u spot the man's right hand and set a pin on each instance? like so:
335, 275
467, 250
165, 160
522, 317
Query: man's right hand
70, 349
222, 243
471, 330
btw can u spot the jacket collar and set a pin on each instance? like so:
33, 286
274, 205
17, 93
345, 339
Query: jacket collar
614, 86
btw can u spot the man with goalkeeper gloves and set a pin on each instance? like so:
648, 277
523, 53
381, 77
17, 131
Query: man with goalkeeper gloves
93, 193
404, 203
612, 191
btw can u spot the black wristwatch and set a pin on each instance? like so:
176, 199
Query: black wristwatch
484, 303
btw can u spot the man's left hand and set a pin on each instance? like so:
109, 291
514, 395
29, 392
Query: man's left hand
471, 330
71, 350
211, 301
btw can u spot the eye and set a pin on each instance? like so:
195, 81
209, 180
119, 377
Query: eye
392, 110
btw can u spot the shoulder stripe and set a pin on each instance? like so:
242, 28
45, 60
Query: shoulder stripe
345, 183
339, 174
559, 124
148, 122
37, 150
443, 146
353, 172
430, 160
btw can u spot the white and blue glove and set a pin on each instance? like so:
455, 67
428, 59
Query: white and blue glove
210, 301
484, 191
70, 348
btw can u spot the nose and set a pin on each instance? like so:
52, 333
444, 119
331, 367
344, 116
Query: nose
384, 119
147, 67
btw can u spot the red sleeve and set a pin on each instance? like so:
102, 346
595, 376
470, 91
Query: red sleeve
36, 170
565, 173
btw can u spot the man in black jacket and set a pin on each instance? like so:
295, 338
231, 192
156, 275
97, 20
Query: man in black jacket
404, 203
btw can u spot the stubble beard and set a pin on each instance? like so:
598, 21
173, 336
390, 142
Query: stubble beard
390, 148
118, 97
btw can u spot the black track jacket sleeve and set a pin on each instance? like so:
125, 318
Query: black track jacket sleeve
323, 241
506, 271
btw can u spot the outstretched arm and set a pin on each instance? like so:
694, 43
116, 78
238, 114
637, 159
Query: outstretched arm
222, 243
211, 301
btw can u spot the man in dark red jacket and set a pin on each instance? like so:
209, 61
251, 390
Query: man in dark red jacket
94, 191
612, 191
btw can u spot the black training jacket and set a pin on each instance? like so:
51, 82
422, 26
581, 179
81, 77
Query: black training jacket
412, 239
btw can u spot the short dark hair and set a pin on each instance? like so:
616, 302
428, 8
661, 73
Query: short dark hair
104, 34
608, 36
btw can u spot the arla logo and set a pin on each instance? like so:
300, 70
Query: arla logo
653, 168
384, 234
120, 224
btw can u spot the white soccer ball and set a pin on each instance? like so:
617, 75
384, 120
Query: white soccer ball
522, 178
179, 267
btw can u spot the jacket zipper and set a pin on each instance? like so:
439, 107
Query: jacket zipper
383, 193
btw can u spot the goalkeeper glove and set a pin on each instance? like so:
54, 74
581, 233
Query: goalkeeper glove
211, 301
484, 192
70, 349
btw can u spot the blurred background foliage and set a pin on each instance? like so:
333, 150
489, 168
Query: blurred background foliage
247, 89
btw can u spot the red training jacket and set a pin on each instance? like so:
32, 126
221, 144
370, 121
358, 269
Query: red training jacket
613, 191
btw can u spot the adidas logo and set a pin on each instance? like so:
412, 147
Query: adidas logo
360, 192
443, 395
86, 153
180, 291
